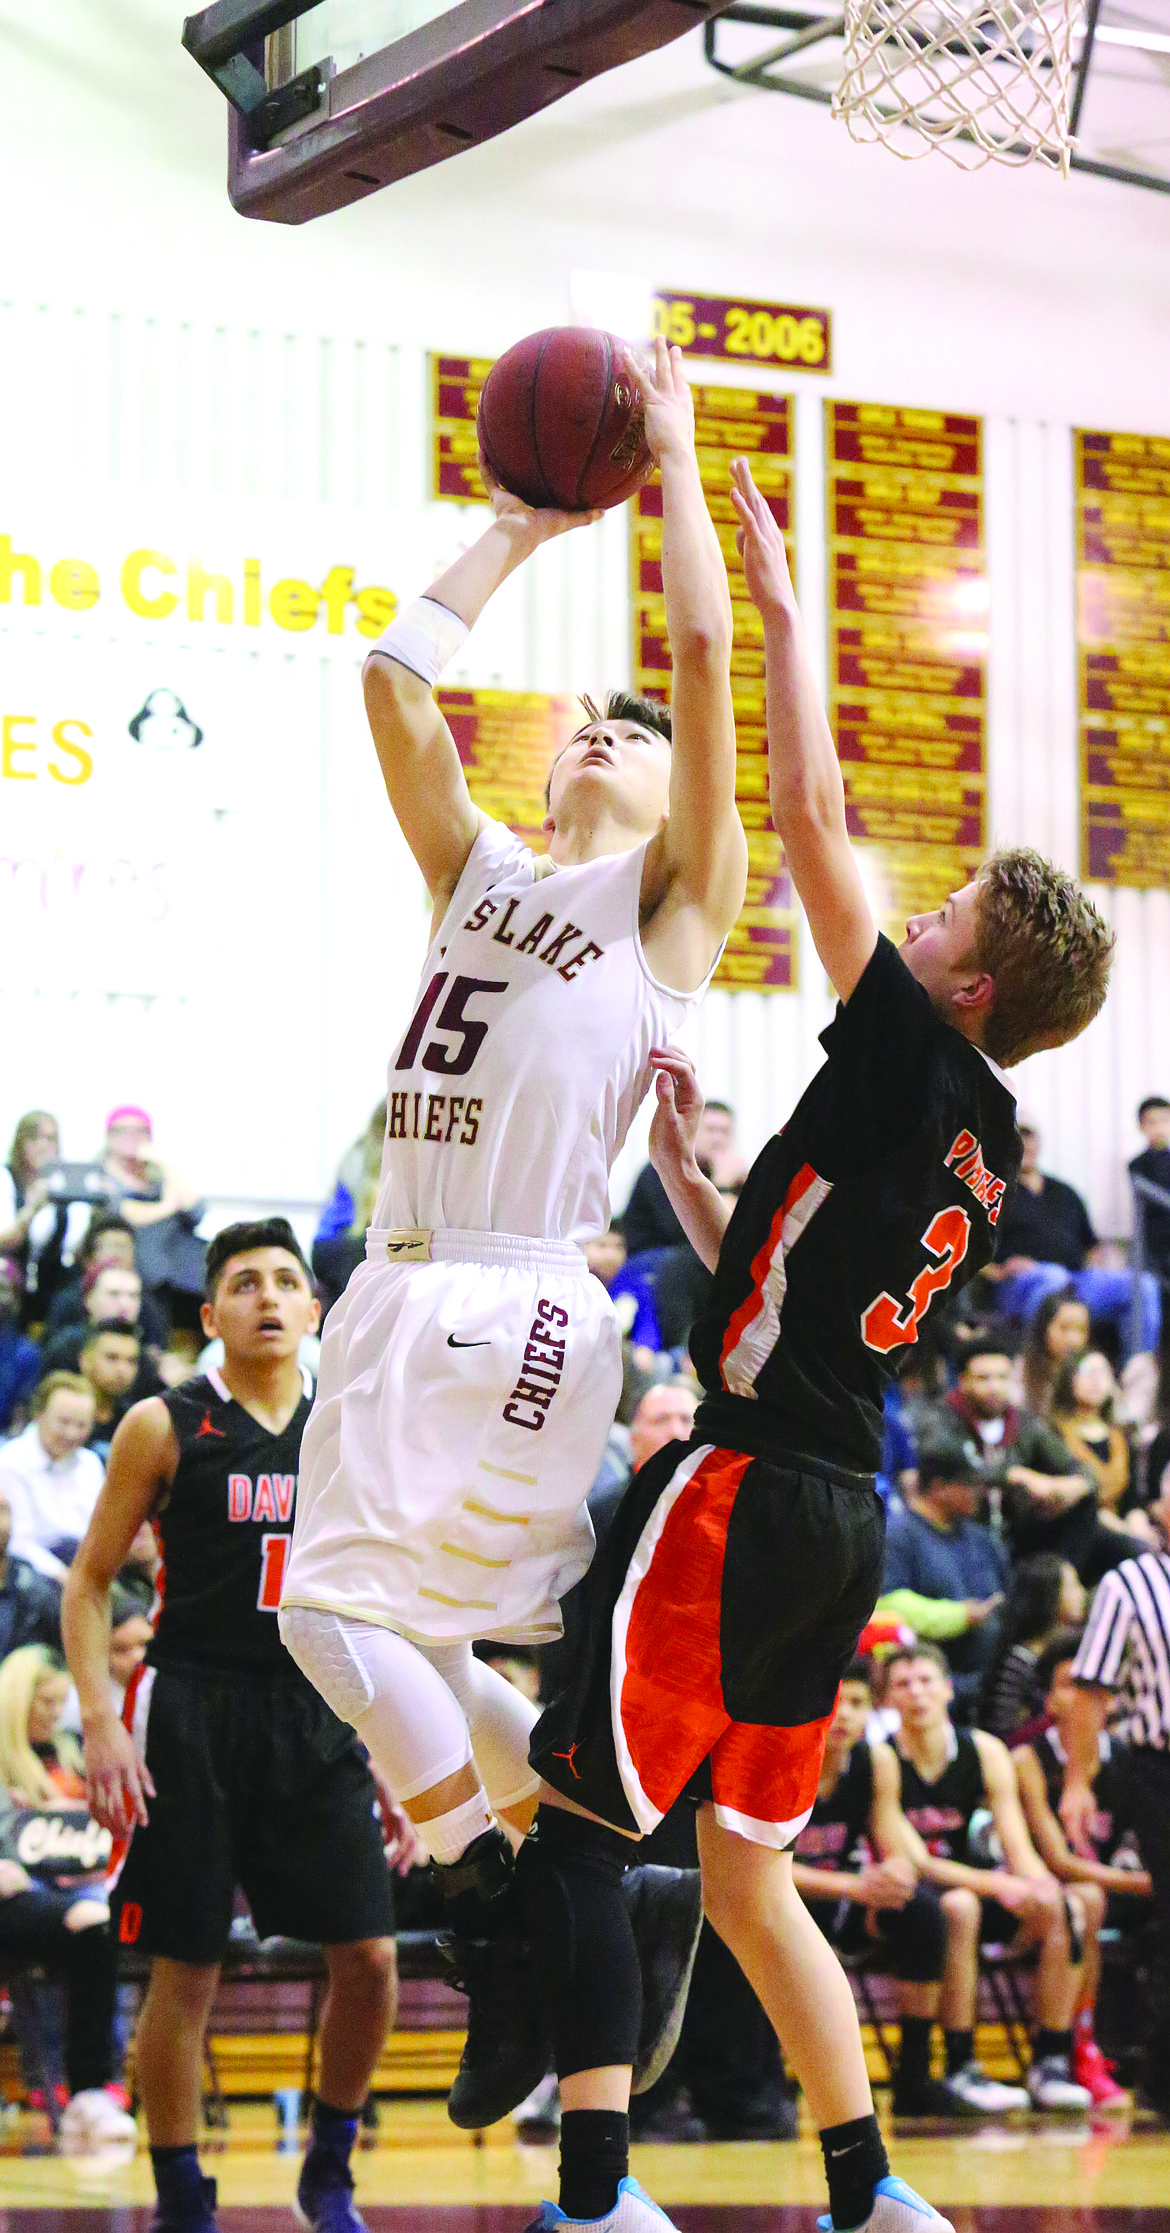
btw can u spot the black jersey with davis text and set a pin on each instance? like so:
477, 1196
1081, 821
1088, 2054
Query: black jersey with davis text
881, 1193
224, 1528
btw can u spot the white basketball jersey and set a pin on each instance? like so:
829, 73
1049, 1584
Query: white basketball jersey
528, 1051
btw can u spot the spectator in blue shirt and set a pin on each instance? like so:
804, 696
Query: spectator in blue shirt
30, 1604
20, 1358
943, 1571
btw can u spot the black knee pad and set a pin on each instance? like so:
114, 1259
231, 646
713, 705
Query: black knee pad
917, 1937
568, 1877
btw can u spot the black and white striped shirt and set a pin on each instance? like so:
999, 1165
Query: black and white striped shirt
1126, 1646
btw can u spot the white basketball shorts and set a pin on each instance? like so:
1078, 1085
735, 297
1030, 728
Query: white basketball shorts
463, 1403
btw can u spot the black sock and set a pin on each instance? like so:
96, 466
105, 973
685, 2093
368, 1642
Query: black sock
335, 2129
914, 2057
1052, 2043
569, 1882
595, 2155
176, 2171
960, 2050
855, 2159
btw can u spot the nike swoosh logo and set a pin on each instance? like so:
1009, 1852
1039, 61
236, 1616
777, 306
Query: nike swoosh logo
453, 1344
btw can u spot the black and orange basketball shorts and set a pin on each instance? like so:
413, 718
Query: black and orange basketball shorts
719, 1616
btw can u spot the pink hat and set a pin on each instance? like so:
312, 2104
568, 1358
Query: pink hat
128, 1109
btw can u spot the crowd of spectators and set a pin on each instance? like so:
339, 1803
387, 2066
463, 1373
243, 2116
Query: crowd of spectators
1026, 1457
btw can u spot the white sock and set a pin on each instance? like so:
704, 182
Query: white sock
447, 1836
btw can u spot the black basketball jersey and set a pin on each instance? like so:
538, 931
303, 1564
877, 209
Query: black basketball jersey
1105, 1830
881, 1193
838, 1824
224, 1528
942, 1812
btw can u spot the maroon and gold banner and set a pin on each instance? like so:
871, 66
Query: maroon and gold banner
455, 386
908, 645
730, 422
777, 333
1123, 656
507, 741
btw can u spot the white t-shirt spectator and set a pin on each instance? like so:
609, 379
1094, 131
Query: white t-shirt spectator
51, 1498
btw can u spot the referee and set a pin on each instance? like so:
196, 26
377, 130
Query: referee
1126, 1650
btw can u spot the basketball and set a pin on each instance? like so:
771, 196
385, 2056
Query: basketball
561, 420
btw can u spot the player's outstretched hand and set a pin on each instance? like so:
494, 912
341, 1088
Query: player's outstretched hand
403, 1847
760, 545
117, 1781
670, 405
676, 1119
532, 527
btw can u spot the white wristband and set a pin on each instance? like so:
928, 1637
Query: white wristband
425, 638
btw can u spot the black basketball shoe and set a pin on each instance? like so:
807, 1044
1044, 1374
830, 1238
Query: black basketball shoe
506, 2052
666, 1911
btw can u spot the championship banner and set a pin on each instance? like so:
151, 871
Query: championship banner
455, 386
908, 605
760, 955
1123, 657
507, 741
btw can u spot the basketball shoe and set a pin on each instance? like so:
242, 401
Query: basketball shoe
92, 2121
896, 2209
633, 2212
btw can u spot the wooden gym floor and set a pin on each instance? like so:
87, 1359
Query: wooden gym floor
421, 2176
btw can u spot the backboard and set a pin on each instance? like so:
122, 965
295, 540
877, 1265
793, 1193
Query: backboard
330, 102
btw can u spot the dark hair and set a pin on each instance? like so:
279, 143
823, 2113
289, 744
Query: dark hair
1062, 1402
860, 1670
1064, 1645
995, 1340
1152, 1101
722, 1108
1028, 1611
239, 1240
102, 1221
1038, 1367
117, 1326
920, 1649
621, 705
1033, 1595
945, 1447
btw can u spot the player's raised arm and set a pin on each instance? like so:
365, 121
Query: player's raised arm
142, 1460
804, 777
705, 850
416, 751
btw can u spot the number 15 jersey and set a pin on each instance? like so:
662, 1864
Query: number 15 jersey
528, 1052
880, 1195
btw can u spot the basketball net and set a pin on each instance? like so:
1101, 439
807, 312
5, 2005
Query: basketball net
987, 81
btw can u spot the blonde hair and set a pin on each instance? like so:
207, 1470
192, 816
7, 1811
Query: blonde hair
365, 1193
1047, 949
75, 1384
24, 1774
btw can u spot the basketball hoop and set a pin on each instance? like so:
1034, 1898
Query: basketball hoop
987, 81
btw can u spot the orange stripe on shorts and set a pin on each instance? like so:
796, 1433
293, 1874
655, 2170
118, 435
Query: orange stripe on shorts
672, 1709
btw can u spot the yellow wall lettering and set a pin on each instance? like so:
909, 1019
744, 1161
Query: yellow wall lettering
22, 563
198, 584
74, 585
142, 562
377, 608
11, 745
77, 752
293, 604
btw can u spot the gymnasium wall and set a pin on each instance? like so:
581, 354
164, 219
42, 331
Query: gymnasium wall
231, 932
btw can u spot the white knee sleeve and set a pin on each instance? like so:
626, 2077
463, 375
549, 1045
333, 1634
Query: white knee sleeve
403, 1710
499, 1717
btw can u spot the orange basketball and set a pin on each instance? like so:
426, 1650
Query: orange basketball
561, 420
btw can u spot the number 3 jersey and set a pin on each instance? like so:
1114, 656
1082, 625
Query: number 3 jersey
528, 1052
224, 1528
880, 1196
